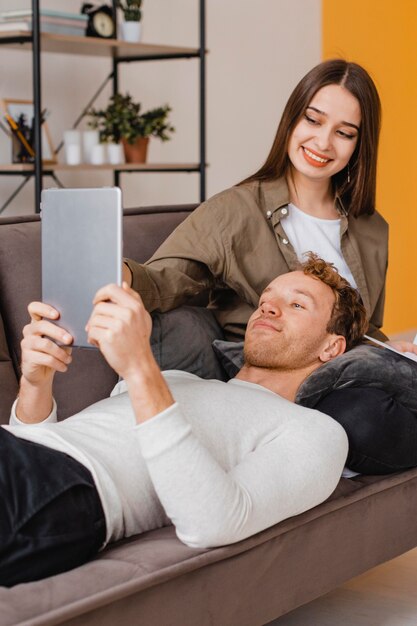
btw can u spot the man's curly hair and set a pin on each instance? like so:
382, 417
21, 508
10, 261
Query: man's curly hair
349, 317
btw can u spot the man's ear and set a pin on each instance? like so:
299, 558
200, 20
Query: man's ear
335, 345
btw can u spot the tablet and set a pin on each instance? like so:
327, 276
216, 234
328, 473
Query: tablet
81, 251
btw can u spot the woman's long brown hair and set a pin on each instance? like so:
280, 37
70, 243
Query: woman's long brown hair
358, 195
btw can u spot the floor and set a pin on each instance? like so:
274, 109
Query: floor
383, 596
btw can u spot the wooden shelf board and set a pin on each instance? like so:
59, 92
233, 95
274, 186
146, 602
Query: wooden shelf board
72, 44
129, 167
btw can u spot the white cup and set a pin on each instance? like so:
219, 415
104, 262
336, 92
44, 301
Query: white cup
72, 145
115, 154
90, 139
98, 154
73, 154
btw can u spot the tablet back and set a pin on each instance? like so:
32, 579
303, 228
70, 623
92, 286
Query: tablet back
81, 251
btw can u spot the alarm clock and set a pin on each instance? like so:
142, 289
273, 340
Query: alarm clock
100, 20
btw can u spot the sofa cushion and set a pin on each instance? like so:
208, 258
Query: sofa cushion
8, 378
89, 378
155, 579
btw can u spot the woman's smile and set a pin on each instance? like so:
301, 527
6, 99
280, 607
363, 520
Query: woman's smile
314, 158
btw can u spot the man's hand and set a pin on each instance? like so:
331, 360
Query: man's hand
41, 358
121, 327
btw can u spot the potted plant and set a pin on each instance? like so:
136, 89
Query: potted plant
122, 121
132, 15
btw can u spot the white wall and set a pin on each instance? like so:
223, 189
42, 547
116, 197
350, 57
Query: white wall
257, 53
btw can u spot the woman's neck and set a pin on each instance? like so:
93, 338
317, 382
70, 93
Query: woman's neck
313, 197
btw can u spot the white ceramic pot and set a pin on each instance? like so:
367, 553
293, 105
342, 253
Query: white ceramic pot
115, 154
131, 31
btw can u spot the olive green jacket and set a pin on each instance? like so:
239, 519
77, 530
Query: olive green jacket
235, 243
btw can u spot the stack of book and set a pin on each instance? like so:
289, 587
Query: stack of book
51, 21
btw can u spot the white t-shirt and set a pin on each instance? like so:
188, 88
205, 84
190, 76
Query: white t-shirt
308, 233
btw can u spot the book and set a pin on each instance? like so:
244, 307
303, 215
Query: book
21, 13
406, 355
50, 20
45, 27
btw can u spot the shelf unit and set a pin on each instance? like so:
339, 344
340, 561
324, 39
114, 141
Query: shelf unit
119, 52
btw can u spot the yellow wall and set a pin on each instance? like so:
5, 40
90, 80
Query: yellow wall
381, 35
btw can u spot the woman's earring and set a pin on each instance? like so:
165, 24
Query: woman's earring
348, 178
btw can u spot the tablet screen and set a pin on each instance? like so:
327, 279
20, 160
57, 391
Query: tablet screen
81, 251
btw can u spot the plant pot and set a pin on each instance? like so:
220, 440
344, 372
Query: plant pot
136, 153
131, 31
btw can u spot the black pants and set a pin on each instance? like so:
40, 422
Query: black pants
51, 518
382, 433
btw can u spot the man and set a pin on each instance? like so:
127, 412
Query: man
221, 461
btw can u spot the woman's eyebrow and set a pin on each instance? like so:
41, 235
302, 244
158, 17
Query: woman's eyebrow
323, 113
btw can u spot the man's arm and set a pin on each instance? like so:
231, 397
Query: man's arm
289, 473
120, 326
41, 358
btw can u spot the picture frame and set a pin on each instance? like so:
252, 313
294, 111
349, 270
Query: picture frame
23, 110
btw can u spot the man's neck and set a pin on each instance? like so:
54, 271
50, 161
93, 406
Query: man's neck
283, 382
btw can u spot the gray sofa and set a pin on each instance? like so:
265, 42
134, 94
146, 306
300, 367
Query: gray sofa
154, 579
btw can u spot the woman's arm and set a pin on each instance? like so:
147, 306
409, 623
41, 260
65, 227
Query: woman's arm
377, 317
190, 261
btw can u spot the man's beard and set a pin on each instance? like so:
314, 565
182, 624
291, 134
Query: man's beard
282, 355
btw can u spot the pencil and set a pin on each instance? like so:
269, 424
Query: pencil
19, 135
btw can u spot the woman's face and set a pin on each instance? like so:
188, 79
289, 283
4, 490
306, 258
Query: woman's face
325, 138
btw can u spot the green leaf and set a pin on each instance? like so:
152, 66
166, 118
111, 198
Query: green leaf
122, 119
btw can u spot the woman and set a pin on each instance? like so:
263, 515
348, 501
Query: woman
316, 191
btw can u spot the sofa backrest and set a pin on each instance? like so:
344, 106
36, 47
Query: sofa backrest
90, 378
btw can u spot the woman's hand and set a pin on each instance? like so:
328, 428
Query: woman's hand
41, 356
403, 346
127, 274
120, 326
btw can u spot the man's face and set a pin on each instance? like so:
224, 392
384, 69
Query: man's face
288, 329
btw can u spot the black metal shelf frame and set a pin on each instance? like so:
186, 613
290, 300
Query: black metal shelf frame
40, 170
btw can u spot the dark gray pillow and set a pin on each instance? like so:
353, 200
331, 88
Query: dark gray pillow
363, 366
230, 355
